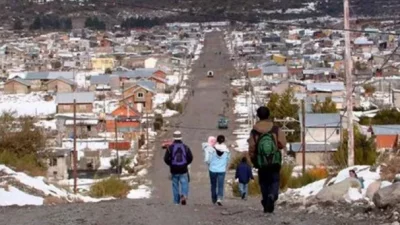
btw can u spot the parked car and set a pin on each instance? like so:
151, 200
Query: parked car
166, 143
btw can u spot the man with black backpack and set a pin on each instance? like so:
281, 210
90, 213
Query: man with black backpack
265, 144
178, 157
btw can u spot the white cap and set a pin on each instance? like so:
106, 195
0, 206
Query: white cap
177, 135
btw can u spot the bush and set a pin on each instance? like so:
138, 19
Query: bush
111, 187
177, 107
285, 175
28, 163
236, 160
254, 188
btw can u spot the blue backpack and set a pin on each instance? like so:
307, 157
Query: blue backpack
178, 155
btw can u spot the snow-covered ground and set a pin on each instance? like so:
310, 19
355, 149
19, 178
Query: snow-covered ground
159, 99
107, 105
352, 195
32, 104
142, 191
12, 196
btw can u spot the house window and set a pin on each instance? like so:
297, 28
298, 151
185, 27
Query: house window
53, 161
89, 128
337, 131
81, 107
140, 95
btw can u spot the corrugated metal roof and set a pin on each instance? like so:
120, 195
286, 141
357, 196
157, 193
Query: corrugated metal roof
147, 84
386, 129
81, 97
101, 79
333, 86
314, 147
322, 119
22, 81
48, 75
274, 70
68, 81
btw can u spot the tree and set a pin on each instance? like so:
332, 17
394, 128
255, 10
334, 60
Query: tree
383, 117
283, 106
364, 150
328, 106
18, 25
108, 71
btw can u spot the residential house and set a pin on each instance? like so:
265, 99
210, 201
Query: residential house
319, 74
104, 83
127, 120
161, 83
363, 44
140, 95
315, 153
386, 136
85, 127
102, 63
326, 89
39, 80
323, 131
17, 86
275, 71
60, 84
84, 102
256, 72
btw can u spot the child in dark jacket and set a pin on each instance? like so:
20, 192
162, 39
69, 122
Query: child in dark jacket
244, 174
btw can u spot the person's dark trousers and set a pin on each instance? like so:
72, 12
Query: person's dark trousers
269, 185
217, 186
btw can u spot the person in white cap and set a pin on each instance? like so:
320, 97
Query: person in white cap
178, 157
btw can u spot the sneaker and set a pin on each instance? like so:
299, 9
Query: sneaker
183, 200
219, 202
243, 196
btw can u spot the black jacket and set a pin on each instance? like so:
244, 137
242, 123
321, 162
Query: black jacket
168, 158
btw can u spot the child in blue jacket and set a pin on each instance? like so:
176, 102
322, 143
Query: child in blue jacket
244, 174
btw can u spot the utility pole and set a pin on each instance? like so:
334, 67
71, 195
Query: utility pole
325, 139
303, 135
147, 134
349, 84
116, 142
75, 156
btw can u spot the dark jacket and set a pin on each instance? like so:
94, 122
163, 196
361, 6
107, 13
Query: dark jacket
262, 127
168, 159
244, 173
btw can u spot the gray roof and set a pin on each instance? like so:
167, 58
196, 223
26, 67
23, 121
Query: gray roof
386, 129
274, 70
48, 75
101, 79
137, 73
322, 120
147, 84
314, 147
22, 81
336, 86
68, 81
81, 97
316, 71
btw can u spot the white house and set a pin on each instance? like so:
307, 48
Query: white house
150, 62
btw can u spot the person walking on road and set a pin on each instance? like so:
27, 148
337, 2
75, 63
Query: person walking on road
265, 144
178, 157
218, 161
244, 174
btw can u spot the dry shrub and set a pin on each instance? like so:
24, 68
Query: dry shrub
237, 159
254, 188
111, 187
390, 168
285, 175
27, 163
319, 172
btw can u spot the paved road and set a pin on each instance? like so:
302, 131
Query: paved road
201, 112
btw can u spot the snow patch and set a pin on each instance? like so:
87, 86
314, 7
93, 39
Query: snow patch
141, 192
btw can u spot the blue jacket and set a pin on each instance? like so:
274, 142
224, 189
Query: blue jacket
244, 173
218, 160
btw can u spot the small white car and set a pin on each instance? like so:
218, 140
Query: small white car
210, 74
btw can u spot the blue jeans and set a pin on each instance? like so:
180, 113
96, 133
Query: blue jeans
269, 185
243, 189
180, 186
217, 181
